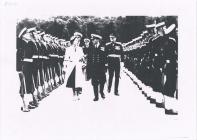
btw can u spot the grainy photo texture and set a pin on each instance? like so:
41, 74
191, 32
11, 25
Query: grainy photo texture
95, 57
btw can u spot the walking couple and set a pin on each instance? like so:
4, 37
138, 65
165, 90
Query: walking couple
97, 56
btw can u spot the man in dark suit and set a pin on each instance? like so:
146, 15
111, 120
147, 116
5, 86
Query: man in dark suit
97, 59
114, 52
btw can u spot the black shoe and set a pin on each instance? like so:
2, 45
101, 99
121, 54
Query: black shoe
116, 93
25, 109
34, 103
95, 99
49, 89
55, 84
80, 92
103, 95
170, 112
39, 97
160, 105
148, 98
31, 106
108, 90
59, 83
152, 101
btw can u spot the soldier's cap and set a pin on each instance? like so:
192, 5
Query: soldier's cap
95, 36
161, 24
22, 32
113, 35
46, 35
170, 29
124, 44
61, 40
67, 42
150, 26
30, 30
78, 34
37, 32
86, 40
142, 34
134, 40
130, 42
140, 37
42, 33
145, 32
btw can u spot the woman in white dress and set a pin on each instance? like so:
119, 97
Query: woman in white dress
73, 59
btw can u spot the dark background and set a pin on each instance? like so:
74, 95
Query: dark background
126, 28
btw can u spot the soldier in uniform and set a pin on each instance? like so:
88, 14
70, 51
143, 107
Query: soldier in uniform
19, 67
36, 60
44, 60
114, 52
149, 44
51, 60
26, 50
62, 52
41, 65
97, 60
86, 45
53, 56
57, 62
48, 61
85, 50
157, 52
170, 70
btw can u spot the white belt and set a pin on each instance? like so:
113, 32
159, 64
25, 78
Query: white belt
45, 57
28, 60
35, 56
114, 55
53, 55
61, 56
167, 61
68, 60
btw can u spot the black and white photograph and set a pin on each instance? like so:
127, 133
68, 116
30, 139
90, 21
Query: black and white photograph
74, 74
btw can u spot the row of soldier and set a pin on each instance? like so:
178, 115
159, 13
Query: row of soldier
41, 59
39, 65
152, 57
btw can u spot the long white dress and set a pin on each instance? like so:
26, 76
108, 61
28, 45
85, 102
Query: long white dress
72, 56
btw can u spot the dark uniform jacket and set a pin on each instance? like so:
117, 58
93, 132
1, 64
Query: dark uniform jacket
96, 63
114, 48
19, 54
